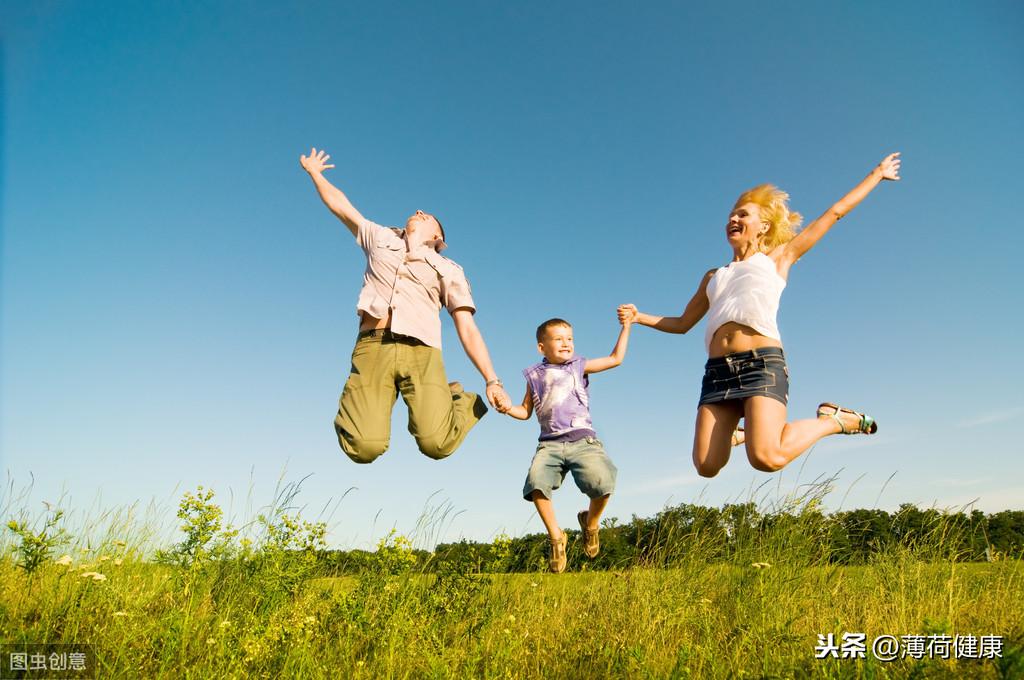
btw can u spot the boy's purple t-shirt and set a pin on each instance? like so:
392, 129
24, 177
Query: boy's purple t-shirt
561, 400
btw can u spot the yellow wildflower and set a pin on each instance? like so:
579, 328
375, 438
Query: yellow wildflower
64, 561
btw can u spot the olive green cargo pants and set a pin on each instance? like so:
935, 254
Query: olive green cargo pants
384, 364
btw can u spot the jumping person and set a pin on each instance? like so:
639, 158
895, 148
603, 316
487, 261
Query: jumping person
399, 345
557, 388
746, 376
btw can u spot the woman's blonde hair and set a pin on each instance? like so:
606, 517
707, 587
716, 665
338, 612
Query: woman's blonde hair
782, 222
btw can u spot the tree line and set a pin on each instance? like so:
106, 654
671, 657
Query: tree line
737, 533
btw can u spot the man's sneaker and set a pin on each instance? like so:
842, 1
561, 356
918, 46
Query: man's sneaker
591, 539
557, 562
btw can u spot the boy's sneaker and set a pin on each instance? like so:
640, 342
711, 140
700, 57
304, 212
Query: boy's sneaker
557, 562
591, 539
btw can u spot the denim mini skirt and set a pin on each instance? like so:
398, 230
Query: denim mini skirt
759, 372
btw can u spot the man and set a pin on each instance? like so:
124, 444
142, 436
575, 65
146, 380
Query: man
399, 345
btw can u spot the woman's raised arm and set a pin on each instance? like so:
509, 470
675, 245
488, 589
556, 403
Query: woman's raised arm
888, 169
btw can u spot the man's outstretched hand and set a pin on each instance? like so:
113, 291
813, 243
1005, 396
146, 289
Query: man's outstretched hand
315, 162
499, 398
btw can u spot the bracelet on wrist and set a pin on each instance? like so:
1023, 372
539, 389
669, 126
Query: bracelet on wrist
494, 381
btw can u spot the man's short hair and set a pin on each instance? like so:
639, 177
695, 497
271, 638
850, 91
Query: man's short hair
440, 227
542, 329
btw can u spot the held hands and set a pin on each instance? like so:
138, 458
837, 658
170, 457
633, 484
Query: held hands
627, 313
890, 167
315, 162
499, 398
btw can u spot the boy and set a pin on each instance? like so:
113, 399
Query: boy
557, 389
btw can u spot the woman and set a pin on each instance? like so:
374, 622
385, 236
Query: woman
746, 376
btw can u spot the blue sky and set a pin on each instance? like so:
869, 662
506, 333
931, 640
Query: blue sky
178, 307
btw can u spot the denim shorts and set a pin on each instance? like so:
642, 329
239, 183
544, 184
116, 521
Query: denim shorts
591, 468
760, 372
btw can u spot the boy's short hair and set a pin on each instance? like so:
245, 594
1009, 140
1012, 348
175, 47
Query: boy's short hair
550, 323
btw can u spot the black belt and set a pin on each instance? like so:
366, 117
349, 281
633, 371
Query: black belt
386, 334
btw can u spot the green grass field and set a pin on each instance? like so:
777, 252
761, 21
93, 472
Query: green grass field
219, 606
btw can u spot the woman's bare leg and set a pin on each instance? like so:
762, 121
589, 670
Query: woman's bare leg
712, 436
772, 443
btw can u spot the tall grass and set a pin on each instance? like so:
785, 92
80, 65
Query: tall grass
703, 599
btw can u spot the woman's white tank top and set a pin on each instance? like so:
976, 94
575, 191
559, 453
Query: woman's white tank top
747, 293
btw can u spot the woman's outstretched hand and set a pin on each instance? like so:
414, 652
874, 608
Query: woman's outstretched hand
627, 313
890, 167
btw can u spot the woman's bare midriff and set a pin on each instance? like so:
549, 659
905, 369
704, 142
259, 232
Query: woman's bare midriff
732, 337
369, 323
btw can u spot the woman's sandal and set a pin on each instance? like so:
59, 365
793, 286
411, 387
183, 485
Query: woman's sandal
866, 424
738, 436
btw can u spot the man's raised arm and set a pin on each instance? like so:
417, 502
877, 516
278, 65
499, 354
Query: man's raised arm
315, 164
